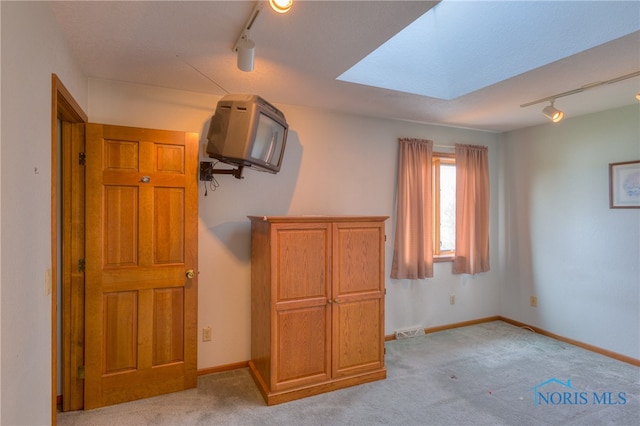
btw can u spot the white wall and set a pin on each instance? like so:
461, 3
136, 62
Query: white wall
32, 49
334, 164
562, 243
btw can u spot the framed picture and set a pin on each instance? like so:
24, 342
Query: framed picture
624, 185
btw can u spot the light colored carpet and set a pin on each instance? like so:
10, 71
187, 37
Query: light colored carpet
486, 374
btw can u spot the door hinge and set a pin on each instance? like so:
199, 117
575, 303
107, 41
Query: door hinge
81, 265
81, 372
82, 158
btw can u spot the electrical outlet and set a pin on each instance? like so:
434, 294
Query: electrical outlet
206, 334
452, 299
533, 301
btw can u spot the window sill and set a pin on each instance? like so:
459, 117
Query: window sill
447, 258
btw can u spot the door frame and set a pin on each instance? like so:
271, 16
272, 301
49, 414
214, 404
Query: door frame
65, 108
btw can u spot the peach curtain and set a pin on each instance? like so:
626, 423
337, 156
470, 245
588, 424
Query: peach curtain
413, 246
472, 210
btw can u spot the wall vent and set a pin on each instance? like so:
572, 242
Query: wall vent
407, 334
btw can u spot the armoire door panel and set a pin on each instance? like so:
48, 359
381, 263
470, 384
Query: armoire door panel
358, 258
356, 337
302, 262
302, 347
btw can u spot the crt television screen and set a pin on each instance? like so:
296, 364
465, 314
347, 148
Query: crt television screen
267, 147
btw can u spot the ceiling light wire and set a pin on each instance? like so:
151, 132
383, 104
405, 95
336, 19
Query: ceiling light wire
203, 74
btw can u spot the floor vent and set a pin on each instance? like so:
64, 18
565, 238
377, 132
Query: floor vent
407, 334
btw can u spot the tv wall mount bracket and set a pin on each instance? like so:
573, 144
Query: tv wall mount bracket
207, 171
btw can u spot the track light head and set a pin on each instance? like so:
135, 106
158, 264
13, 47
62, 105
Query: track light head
552, 113
281, 6
245, 49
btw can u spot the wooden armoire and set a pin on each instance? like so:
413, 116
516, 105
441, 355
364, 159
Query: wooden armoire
317, 304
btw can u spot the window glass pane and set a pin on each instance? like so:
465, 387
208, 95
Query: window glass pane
447, 207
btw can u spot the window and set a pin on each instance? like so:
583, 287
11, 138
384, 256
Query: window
437, 219
444, 206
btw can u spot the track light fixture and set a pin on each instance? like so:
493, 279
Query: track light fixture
552, 113
245, 48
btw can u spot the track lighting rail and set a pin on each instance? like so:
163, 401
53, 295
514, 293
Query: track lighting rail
245, 30
581, 89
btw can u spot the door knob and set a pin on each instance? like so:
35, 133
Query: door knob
190, 274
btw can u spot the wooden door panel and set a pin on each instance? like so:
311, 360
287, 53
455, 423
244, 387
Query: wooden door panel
302, 353
141, 239
121, 155
168, 227
168, 318
303, 261
120, 327
356, 337
120, 226
169, 158
358, 258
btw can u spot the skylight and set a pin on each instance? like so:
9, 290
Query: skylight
459, 47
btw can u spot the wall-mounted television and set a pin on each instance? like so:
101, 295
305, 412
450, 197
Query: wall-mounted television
246, 130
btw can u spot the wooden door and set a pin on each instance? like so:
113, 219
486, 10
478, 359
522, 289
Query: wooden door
141, 241
358, 297
302, 331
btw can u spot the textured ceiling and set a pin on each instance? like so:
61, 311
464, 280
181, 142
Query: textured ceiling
299, 56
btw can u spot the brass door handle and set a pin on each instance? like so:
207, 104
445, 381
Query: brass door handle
190, 274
